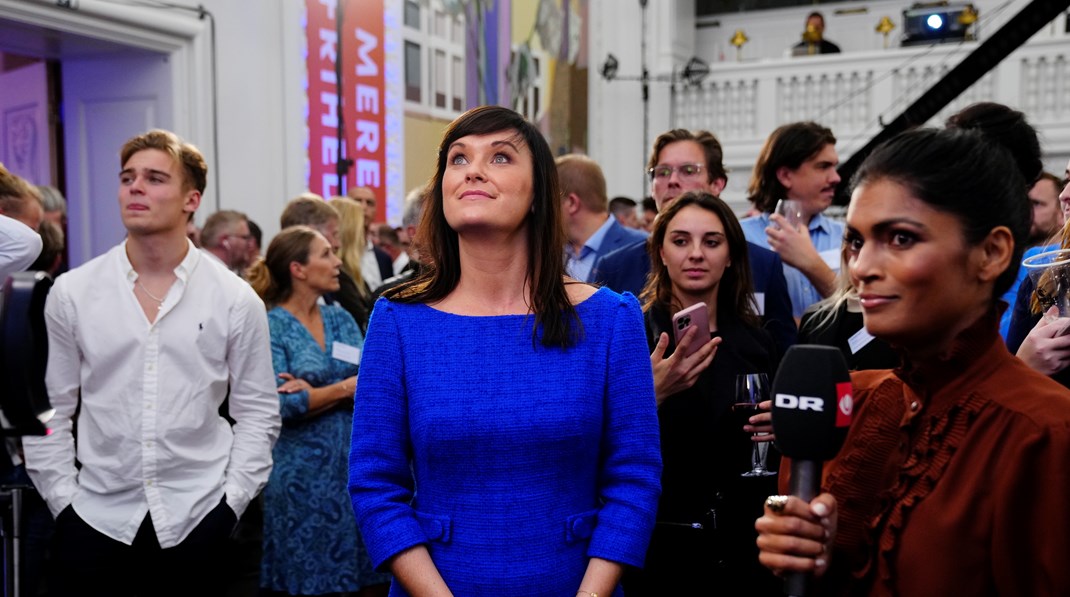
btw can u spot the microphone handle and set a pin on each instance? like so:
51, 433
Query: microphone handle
805, 485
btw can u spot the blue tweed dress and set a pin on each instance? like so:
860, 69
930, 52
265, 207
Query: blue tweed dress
512, 462
311, 542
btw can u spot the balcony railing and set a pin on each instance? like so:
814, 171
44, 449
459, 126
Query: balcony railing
854, 93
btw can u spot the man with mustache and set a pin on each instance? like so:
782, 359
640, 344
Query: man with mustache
798, 162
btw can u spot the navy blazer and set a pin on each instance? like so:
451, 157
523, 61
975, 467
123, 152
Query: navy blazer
625, 270
618, 236
386, 264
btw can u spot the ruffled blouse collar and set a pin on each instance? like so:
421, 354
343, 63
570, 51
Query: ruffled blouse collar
969, 355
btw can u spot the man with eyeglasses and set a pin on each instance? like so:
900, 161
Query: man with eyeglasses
226, 237
683, 161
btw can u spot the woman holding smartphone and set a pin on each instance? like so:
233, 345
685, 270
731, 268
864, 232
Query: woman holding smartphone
505, 436
703, 538
953, 477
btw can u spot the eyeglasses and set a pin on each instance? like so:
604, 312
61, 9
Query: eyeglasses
685, 171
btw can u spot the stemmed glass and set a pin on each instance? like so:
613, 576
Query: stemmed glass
791, 209
752, 389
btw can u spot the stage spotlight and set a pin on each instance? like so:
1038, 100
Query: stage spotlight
937, 23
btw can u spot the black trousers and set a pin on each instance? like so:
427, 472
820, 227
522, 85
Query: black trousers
88, 563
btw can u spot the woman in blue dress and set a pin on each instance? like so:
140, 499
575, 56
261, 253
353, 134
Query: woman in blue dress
505, 436
311, 542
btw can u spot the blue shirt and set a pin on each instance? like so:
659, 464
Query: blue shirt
580, 267
1012, 293
827, 236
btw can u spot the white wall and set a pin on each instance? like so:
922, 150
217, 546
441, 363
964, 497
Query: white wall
615, 108
261, 108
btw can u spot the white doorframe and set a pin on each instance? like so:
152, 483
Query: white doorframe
184, 36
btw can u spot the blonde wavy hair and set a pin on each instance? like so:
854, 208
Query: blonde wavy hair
351, 240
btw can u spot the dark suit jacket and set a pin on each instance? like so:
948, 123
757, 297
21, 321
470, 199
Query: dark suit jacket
410, 271
386, 264
625, 270
618, 236
823, 47
350, 299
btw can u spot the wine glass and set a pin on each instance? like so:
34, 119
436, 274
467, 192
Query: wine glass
791, 209
751, 389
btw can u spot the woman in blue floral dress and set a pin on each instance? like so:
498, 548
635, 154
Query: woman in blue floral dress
311, 542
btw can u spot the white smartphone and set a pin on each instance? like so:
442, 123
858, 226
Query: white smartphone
695, 316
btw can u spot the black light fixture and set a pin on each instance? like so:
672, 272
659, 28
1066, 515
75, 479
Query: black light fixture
609, 67
695, 71
938, 22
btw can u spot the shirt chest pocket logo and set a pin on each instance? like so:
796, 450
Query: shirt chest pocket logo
211, 341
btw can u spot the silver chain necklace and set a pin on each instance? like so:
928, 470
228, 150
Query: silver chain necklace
159, 301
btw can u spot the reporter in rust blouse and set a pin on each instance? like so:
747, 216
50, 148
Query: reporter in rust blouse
955, 476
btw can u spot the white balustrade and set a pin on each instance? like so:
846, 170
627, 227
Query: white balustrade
856, 94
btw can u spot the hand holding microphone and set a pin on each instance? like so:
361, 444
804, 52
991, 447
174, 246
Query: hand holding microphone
812, 408
795, 537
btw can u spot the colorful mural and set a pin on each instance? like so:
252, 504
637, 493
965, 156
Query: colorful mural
531, 55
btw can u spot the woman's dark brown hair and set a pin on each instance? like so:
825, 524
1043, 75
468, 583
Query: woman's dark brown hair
438, 243
734, 292
961, 172
270, 275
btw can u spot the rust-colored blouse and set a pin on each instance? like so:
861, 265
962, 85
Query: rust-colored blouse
955, 478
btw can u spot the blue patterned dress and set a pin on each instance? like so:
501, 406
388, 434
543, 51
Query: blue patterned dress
311, 542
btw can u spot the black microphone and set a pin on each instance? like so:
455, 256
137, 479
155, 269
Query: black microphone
812, 406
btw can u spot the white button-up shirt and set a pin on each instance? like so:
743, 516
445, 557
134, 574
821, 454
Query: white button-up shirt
19, 246
369, 268
150, 437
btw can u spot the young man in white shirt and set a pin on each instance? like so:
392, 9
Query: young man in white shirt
147, 338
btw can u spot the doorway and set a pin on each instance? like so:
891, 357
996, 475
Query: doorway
113, 75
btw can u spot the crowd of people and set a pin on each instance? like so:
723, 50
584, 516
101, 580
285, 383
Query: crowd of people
501, 396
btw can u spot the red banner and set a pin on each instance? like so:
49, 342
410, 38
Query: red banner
363, 92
